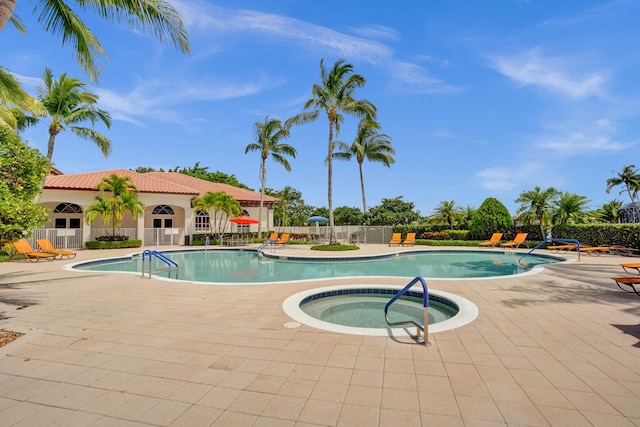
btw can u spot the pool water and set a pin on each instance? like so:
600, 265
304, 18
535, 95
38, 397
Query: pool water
367, 311
246, 266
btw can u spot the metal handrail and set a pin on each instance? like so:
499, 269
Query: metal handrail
425, 297
168, 261
551, 239
264, 245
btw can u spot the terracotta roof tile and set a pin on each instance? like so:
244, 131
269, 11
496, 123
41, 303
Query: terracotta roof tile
153, 182
202, 186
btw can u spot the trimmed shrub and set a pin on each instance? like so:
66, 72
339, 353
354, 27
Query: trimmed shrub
115, 244
601, 234
491, 217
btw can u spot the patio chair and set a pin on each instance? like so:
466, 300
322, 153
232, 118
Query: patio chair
273, 236
24, 248
631, 266
283, 240
631, 282
516, 242
409, 240
622, 250
396, 238
46, 246
567, 247
595, 250
494, 240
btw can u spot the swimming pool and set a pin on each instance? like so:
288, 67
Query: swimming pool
237, 266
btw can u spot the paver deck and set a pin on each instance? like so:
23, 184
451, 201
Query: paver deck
559, 348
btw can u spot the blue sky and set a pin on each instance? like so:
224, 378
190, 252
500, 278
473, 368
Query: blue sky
482, 98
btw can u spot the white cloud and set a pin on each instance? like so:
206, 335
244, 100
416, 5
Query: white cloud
580, 143
556, 74
376, 32
442, 133
207, 18
509, 178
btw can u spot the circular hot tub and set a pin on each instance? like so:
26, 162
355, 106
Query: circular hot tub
359, 309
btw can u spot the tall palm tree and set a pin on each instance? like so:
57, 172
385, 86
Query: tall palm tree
205, 204
268, 141
629, 179
227, 206
156, 17
570, 209
68, 105
447, 212
335, 96
368, 144
17, 108
536, 205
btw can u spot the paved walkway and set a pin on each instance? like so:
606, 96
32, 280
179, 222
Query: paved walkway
556, 348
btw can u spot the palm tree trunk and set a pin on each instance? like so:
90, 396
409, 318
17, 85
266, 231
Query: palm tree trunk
6, 10
263, 178
52, 141
364, 200
332, 234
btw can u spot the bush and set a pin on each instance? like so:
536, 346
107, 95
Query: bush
133, 243
491, 217
601, 234
115, 238
335, 247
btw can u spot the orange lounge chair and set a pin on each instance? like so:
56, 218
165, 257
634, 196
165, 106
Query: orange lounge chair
628, 281
622, 250
494, 240
409, 240
517, 241
46, 246
283, 240
395, 239
560, 248
633, 266
273, 236
24, 248
595, 250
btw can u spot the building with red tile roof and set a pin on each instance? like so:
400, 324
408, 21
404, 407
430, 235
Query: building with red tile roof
168, 218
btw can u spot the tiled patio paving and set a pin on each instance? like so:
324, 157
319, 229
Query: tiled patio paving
556, 348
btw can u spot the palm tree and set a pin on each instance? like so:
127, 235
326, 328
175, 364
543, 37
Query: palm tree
68, 104
447, 212
101, 207
368, 144
570, 209
629, 179
268, 141
334, 96
227, 205
15, 103
156, 17
205, 204
609, 212
124, 197
536, 206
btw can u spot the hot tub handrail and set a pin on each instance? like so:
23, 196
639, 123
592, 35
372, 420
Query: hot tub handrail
425, 303
168, 261
553, 239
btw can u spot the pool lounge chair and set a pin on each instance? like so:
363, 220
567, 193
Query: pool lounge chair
517, 241
24, 248
494, 240
631, 266
631, 282
561, 248
409, 240
46, 246
396, 238
283, 240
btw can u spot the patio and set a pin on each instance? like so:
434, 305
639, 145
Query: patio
561, 347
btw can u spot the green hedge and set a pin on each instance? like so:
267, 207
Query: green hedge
114, 245
601, 234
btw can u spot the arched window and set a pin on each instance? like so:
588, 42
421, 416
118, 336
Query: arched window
202, 221
245, 212
163, 210
67, 208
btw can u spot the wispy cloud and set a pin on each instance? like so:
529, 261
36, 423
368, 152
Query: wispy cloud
509, 178
557, 74
157, 99
207, 18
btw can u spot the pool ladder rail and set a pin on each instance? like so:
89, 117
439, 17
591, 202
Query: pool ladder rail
264, 245
420, 329
170, 264
551, 240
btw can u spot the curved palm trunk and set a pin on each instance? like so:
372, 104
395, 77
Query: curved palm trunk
332, 234
364, 200
52, 141
6, 10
